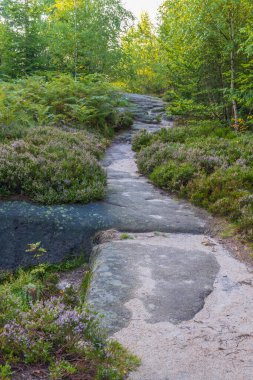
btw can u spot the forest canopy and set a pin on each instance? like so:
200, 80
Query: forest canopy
199, 54
208, 48
60, 35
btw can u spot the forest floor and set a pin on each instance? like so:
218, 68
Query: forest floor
170, 291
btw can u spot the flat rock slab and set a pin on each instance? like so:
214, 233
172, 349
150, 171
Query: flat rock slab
180, 302
217, 344
170, 279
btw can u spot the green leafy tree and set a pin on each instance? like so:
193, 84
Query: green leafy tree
203, 41
23, 44
85, 35
141, 66
61, 35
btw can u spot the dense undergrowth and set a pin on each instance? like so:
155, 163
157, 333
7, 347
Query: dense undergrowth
53, 131
44, 328
205, 162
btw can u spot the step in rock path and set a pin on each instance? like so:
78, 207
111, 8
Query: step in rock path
169, 292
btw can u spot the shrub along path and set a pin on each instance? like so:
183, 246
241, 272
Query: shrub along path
169, 292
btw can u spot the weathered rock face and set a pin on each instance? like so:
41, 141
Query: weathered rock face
169, 275
176, 298
131, 204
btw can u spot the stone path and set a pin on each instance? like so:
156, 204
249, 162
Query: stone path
132, 204
169, 293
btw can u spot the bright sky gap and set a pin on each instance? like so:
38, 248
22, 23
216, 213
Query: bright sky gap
138, 6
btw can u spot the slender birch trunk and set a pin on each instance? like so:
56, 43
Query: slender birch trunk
233, 70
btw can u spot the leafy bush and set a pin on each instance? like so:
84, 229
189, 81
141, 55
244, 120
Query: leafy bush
209, 164
51, 165
61, 369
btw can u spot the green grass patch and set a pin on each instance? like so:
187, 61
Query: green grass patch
207, 163
228, 232
126, 236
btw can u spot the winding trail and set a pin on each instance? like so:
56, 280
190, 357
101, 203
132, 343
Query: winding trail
171, 294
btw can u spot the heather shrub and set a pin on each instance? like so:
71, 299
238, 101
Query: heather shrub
56, 329
246, 220
48, 325
155, 155
52, 165
207, 163
141, 139
172, 176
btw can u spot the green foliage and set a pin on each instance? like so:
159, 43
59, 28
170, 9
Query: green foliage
126, 236
208, 57
118, 355
69, 264
187, 108
140, 140
209, 164
5, 372
141, 67
124, 120
173, 176
23, 33
89, 103
61, 369
61, 35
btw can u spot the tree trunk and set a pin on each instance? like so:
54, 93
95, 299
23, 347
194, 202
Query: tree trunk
233, 70
225, 108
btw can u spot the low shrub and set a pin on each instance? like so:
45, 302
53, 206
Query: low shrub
207, 163
124, 120
5, 372
172, 176
141, 139
51, 165
56, 329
